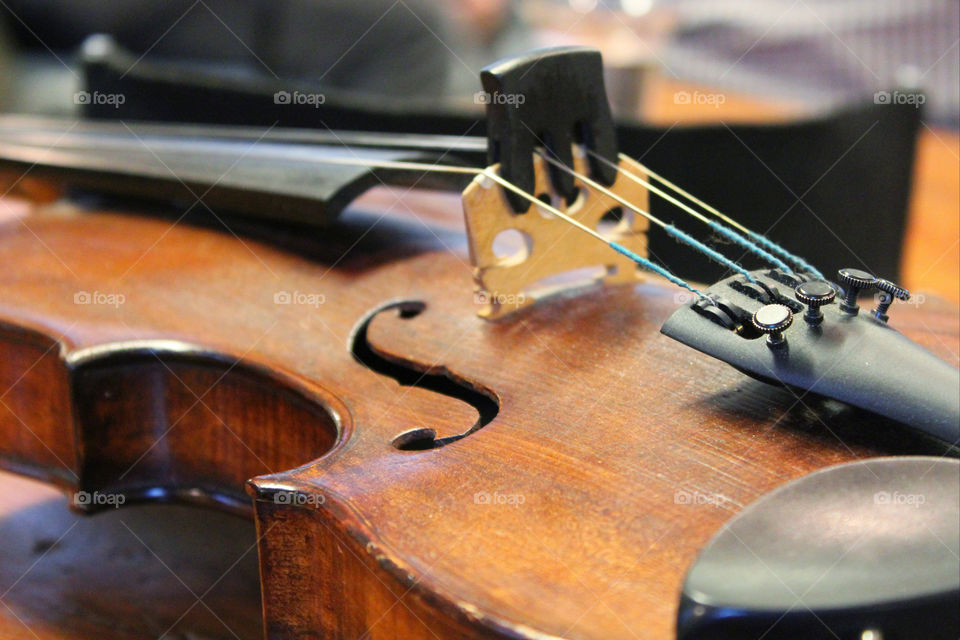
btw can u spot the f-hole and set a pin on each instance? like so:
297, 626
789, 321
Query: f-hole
408, 374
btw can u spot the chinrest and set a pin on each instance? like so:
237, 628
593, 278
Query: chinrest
863, 550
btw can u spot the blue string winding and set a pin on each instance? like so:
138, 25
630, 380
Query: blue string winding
797, 260
653, 266
707, 251
732, 235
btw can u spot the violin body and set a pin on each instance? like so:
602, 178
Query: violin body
414, 471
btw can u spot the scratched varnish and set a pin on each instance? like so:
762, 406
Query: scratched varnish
574, 512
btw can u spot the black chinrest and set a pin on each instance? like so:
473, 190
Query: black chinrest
865, 550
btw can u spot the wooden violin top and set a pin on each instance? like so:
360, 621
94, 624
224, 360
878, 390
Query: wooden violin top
160, 358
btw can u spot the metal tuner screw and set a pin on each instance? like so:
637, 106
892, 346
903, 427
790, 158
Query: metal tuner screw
773, 319
888, 292
854, 281
814, 294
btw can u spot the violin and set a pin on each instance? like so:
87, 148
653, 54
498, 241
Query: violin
442, 434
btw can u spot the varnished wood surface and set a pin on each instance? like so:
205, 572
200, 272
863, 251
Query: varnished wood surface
99, 581
602, 421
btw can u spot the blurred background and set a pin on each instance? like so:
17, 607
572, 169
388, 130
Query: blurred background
810, 53
669, 63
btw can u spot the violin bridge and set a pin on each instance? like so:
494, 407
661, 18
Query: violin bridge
519, 258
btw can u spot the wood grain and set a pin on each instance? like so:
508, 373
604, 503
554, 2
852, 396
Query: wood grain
560, 518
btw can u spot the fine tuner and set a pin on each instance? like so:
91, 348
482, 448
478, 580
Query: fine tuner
835, 351
815, 294
774, 318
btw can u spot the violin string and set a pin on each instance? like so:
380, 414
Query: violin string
762, 246
506, 184
616, 246
671, 230
757, 237
724, 231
